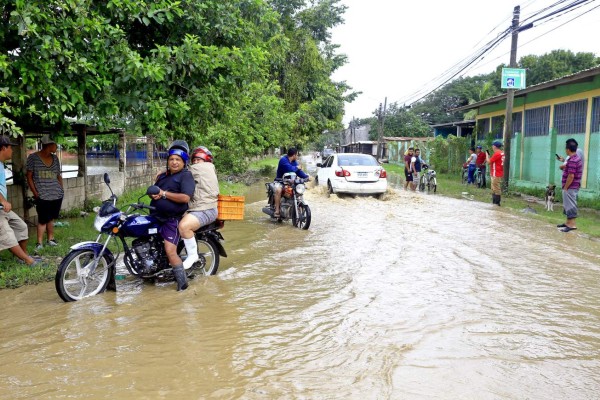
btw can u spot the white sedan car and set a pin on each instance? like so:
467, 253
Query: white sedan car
352, 173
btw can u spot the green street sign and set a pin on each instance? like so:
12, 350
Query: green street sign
513, 78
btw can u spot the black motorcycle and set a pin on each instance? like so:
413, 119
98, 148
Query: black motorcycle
90, 267
292, 201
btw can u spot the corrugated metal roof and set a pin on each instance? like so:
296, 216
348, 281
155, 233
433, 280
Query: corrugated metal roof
581, 75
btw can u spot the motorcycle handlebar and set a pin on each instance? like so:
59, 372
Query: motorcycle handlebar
143, 206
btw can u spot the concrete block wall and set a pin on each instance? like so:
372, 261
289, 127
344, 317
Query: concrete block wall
76, 191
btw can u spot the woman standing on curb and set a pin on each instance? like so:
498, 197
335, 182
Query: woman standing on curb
45, 181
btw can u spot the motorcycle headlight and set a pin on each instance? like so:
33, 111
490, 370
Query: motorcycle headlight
300, 188
100, 221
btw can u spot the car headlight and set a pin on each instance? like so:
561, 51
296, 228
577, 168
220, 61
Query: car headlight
300, 188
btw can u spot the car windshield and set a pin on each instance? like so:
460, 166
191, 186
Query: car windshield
356, 160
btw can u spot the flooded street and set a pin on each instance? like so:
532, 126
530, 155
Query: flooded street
412, 297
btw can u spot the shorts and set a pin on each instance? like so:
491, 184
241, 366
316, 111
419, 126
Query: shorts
496, 185
47, 210
169, 230
570, 203
12, 230
205, 217
408, 176
416, 176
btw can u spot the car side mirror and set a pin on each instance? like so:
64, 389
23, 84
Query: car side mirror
319, 165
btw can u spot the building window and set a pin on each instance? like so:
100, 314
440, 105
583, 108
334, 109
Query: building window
517, 123
537, 121
498, 127
595, 128
569, 118
483, 127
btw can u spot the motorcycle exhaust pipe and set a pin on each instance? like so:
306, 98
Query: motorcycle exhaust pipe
268, 211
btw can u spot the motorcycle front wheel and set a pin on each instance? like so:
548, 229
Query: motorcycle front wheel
302, 220
73, 279
208, 257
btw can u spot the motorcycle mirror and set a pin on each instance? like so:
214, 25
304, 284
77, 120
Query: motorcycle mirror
106, 178
152, 190
319, 165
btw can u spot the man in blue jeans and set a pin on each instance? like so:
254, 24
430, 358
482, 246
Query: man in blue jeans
287, 163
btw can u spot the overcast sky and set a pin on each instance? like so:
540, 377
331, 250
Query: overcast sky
396, 47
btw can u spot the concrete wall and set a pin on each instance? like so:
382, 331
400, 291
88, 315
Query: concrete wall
76, 191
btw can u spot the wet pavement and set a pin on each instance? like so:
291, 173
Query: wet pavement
413, 297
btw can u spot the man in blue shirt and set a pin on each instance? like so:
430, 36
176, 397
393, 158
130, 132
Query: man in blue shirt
13, 230
287, 163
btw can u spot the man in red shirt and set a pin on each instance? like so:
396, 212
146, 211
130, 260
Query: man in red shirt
480, 163
496, 162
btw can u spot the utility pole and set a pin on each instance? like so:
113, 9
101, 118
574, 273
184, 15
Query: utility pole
510, 97
381, 119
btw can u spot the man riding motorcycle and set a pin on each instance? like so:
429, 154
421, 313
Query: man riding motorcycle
287, 163
177, 188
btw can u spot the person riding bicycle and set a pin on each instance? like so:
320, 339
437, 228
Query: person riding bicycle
176, 189
203, 206
480, 163
287, 163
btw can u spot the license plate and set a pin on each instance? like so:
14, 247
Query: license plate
362, 174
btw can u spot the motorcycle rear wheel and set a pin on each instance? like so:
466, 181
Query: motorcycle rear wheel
209, 257
301, 221
72, 279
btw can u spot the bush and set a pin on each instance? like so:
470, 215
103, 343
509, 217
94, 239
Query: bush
448, 155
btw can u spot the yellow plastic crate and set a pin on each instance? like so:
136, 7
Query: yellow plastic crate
231, 208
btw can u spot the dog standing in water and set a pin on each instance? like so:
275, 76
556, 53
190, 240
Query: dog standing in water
550, 193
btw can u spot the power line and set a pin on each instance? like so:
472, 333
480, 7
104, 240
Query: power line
543, 34
480, 55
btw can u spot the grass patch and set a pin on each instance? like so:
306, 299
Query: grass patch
451, 186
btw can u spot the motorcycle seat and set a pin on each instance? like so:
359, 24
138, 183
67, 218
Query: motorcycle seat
218, 224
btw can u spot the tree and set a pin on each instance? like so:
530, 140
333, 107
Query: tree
553, 65
399, 121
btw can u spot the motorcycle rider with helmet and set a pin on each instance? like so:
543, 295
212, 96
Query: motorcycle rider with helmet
176, 189
203, 205
287, 163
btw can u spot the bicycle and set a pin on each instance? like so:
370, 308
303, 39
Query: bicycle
428, 179
465, 174
478, 178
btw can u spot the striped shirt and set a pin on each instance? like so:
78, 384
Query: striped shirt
45, 178
574, 166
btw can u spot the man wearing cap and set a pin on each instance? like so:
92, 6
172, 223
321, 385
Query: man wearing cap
13, 230
496, 162
480, 163
45, 181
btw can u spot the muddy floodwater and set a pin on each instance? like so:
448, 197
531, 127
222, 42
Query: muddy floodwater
412, 297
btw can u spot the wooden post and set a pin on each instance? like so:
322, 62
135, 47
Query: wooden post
19, 162
510, 96
150, 152
122, 151
82, 152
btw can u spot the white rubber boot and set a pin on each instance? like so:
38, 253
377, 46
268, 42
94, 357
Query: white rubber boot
191, 248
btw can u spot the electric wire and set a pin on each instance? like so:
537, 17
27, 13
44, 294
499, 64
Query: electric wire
472, 61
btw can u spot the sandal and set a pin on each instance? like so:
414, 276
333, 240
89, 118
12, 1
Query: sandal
561, 226
568, 229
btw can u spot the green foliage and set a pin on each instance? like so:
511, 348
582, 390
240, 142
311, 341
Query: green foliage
400, 121
553, 65
448, 155
238, 76
437, 108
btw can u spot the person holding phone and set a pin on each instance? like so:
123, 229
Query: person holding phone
564, 160
496, 162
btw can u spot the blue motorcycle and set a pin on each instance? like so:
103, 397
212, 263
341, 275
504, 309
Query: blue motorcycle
90, 267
